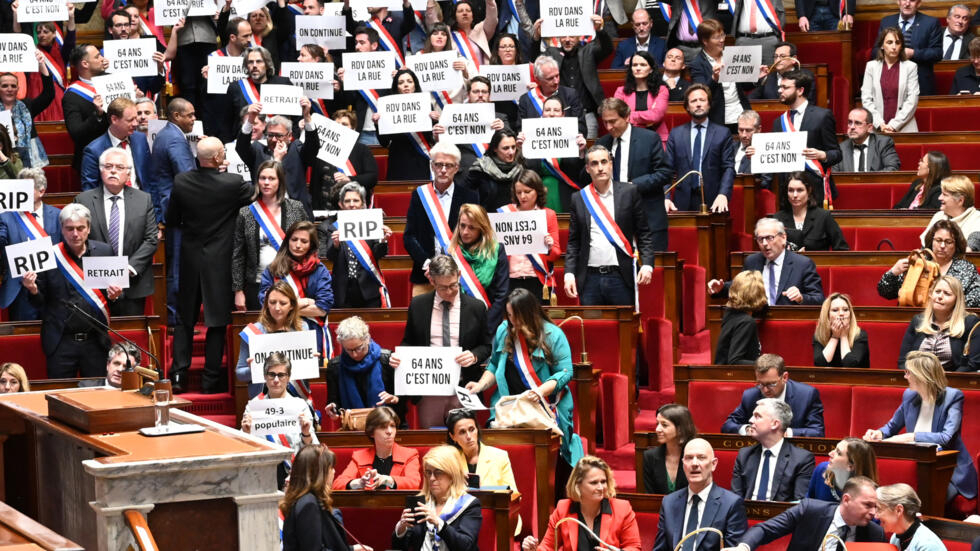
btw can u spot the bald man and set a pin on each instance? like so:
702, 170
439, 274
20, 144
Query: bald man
702, 504
203, 206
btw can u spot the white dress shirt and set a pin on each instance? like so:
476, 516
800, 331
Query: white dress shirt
107, 203
601, 251
857, 154
835, 527
446, 201
957, 48
744, 429
772, 470
926, 412
798, 119
703, 495
435, 324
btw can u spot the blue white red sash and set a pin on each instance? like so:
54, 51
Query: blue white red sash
75, 276
249, 90
522, 360
554, 167
467, 277
371, 97
598, 7
348, 169
811, 164
693, 14
58, 36
319, 325
31, 226
842, 8
437, 218
665, 10
250, 331
152, 30
281, 439
731, 6
319, 106
607, 224
420, 143
461, 504
296, 8
466, 47
537, 100
442, 99
256, 39
83, 89
270, 227
542, 269
57, 73
770, 15
365, 257
220, 52
387, 41
479, 149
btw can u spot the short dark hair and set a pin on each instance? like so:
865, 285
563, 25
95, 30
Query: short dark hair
766, 362
232, 27
709, 28
532, 180
481, 79
800, 79
372, 34
79, 53
696, 86
378, 418
681, 417
792, 47
118, 13
615, 104
455, 416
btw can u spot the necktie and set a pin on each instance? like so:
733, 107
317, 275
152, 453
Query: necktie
34, 214
114, 225
446, 305
861, 148
692, 523
952, 46
905, 30
842, 534
745, 166
792, 117
124, 144
772, 285
753, 9
764, 475
696, 151
617, 147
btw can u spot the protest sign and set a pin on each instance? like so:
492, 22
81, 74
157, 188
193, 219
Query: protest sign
355, 225
275, 416
427, 370
467, 123
194, 136
17, 53
110, 87
316, 79
507, 82
435, 71
566, 18
521, 232
99, 272
550, 138
235, 163
245, 7
16, 195
36, 255
328, 31
778, 152
740, 63
153, 127
222, 71
404, 113
33, 11
336, 140
368, 70
281, 99
169, 12
298, 346
133, 57
468, 400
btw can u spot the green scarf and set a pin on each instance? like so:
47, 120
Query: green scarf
483, 266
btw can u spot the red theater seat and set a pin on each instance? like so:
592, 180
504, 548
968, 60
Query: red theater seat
836, 400
860, 282
872, 407
26, 350
657, 350
869, 238
789, 338
685, 242
712, 402
393, 204
885, 355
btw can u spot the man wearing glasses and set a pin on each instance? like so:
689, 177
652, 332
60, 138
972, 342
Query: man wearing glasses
790, 278
279, 146
772, 381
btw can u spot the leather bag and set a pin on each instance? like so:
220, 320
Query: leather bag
922, 273
513, 412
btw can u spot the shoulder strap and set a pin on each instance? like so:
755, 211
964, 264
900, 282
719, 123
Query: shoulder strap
966, 347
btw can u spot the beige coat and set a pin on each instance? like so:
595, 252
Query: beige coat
908, 95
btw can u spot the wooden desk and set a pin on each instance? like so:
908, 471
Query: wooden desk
20, 532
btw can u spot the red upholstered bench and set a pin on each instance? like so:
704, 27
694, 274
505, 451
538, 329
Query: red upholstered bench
26, 350
872, 407
860, 282
868, 238
684, 241
393, 204
711, 402
382, 161
788, 338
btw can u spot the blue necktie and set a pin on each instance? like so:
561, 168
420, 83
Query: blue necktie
772, 286
905, 30
696, 151
692, 523
114, 225
764, 477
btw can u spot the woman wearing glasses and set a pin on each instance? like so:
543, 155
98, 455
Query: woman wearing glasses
360, 376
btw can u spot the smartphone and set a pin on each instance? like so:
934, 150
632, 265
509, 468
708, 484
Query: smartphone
411, 502
473, 481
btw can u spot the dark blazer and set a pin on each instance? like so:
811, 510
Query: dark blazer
723, 510
926, 38
648, 171
804, 8
308, 526
228, 124
930, 201
574, 167
569, 97
588, 57
171, 155
408, 163
254, 154
365, 281
947, 422
880, 156
807, 522
473, 333
630, 218
655, 472
139, 234
321, 173
738, 342
84, 123
717, 164
791, 478
245, 250
11, 233
965, 80
964, 44
458, 535
768, 88
657, 48
798, 271
700, 68
820, 231
960, 362
803, 400
677, 93
91, 177
820, 127
857, 357
419, 238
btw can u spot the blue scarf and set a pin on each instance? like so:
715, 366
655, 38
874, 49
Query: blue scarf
368, 371
32, 152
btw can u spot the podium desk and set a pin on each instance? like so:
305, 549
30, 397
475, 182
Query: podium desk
209, 490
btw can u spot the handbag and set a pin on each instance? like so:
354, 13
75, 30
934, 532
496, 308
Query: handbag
354, 419
513, 412
919, 278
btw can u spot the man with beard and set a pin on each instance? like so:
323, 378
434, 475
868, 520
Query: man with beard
146, 111
85, 116
260, 69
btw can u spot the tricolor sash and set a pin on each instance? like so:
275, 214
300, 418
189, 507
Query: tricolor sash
270, 227
283, 440
249, 90
57, 73
256, 39
437, 218
769, 14
522, 360
479, 149
387, 41
811, 164
324, 346
607, 224
371, 97
693, 12
731, 6
554, 167
83, 89
75, 276
296, 8
250, 331
461, 504
151, 30
541, 267
220, 52
467, 277
466, 48
537, 100
842, 9
31, 226
319, 106
365, 257
665, 9
420, 143
348, 169
58, 36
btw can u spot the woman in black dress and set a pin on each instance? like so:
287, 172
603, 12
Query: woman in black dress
808, 227
663, 471
738, 343
838, 341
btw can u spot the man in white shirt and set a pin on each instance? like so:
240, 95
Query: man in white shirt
957, 36
122, 133
772, 469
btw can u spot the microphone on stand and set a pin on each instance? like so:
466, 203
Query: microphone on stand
704, 206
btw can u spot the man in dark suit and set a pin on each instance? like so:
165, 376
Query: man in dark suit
957, 35
455, 319
702, 504
203, 206
602, 269
638, 158
863, 150
13, 230
772, 381
85, 117
727, 99
261, 70
966, 79
701, 146
122, 133
547, 74
71, 342
114, 366
785, 61
812, 520
123, 217
295, 156
772, 469
419, 237
642, 40
797, 277
923, 40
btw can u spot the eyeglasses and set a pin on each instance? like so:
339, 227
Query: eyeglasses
429, 473
274, 376
450, 287
945, 242
356, 350
275, 135
444, 166
119, 168
769, 386
766, 238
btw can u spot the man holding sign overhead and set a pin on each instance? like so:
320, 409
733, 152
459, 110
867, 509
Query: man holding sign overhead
261, 69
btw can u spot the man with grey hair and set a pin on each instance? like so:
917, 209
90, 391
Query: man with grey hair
749, 122
18, 227
772, 469
364, 388
548, 76
259, 69
71, 342
790, 278
121, 357
146, 111
957, 35
295, 156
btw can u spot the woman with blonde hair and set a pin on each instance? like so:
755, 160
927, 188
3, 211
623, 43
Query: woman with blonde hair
483, 266
898, 513
944, 328
738, 343
956, 203
447, 518
280, 313
838, 341
13, 378
932, 412
851, 457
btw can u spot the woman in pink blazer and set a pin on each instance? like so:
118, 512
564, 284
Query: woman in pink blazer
645, 94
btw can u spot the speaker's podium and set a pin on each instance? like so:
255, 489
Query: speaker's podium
214, 489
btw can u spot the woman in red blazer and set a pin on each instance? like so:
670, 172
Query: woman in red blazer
388, 465
592, 500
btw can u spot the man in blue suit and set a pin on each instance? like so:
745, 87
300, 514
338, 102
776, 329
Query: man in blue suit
642, 40
122, 133
710, 506
700, 146
13, 230
772, 469
812, 520
772, 381
923, 40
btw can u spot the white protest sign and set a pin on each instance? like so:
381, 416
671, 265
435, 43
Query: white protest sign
316, 79
194, 136
507, 82
36, 255
275, 416
222, 71
245, 7
17, 53
427, 370
114, 86
32, 11
281, 99
235, 163
469, 401
336, 9
740, 63
566, 18
328, 31
134, 57
168, 12
467, 123
16, 195
360, 224
521, 232
153, 127
550, 138
368, 70
100, 272
8, 122
404, 113
435, 70
298, 346
336, 140
778, 152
